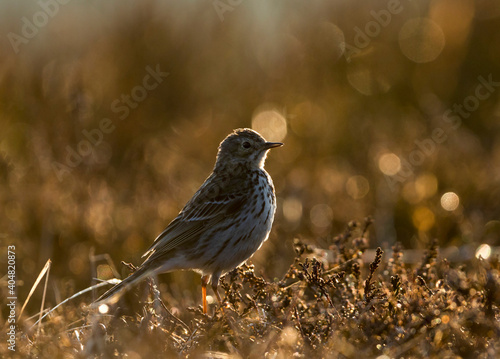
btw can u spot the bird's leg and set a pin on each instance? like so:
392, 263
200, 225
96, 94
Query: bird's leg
215, 283
229, 319
204, 281
216, 292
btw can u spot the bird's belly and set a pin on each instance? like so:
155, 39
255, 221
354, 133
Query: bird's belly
236, 244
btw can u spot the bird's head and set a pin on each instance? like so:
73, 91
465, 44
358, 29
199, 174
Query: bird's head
244, 146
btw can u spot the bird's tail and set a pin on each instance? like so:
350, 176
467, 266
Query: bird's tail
112, 295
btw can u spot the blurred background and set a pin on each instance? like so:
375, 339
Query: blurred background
111, 114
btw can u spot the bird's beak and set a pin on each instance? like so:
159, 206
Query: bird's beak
269, 145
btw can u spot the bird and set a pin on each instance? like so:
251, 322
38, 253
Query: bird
222, 225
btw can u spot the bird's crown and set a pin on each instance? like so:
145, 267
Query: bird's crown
244, 145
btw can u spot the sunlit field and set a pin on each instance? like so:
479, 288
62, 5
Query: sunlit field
386, 238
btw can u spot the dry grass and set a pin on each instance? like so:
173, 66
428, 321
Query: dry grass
336, 306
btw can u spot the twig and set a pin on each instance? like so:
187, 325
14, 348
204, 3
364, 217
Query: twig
38, 279
299, 325
110, 281
422, 282
156, 295
338, 268
187, 340
44, 294
373, 267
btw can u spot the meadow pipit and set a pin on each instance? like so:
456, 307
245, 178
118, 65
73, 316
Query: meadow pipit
225, 222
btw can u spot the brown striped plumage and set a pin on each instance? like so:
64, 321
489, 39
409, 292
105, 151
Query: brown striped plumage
225, 222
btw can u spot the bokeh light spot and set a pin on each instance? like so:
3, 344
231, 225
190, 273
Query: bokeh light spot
289, 336
103, 308
483, 251
292, 209
423, 187
330, 40
269, 122
426, 185
357, 187
423, 218
104, 271
321, 215
410, 193
366, 81
450, 201
331, 180
421, 40
76, 265
389, 164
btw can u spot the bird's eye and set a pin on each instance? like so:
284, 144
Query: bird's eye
246, 144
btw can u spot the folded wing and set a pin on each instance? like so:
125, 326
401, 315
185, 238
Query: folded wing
210, 205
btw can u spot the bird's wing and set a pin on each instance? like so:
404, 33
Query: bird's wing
214, 201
